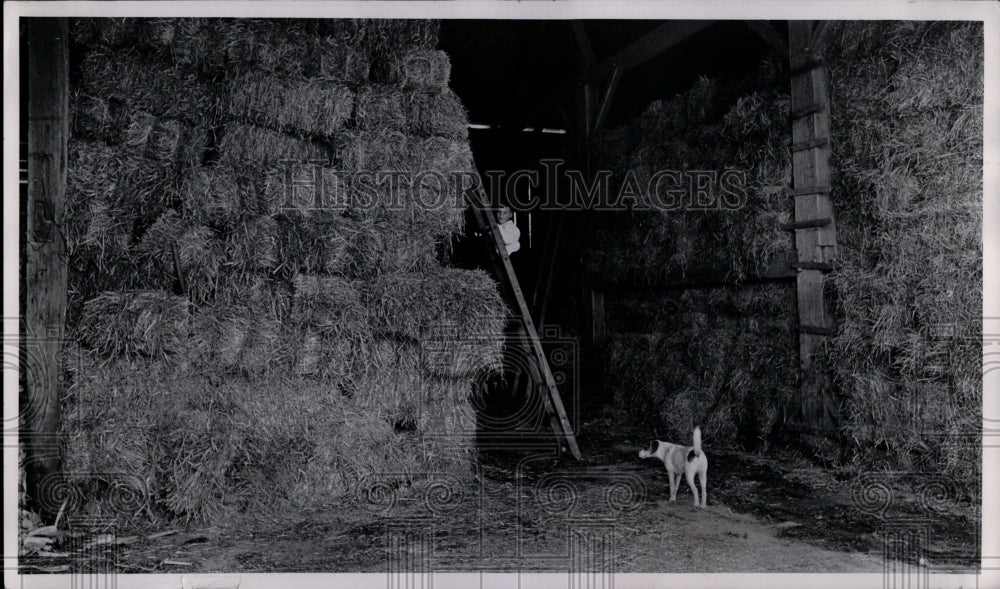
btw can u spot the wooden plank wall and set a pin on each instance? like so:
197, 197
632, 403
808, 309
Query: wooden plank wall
815, 225
45, 277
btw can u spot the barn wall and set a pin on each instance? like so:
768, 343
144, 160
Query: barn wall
238, 344
695, 343
907, 147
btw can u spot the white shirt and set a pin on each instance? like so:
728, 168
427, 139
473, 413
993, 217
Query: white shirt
511, 236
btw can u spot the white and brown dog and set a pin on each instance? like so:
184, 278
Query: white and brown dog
687, 460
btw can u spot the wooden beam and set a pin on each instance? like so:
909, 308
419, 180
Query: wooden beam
547, 269
598, 325
609, 95
769, 34
45, 269
586, 101
805, 224
819, 34
645, 48
585, 51
815, 243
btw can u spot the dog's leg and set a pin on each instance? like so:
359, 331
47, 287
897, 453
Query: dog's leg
694, 489
675, 481
704, 493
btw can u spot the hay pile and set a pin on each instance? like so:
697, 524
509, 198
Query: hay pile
733, 232
907, 141
723, 358
258, 327
906, 111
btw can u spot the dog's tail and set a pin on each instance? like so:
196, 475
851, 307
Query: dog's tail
697, 440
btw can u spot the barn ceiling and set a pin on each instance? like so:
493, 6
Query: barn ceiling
505, 70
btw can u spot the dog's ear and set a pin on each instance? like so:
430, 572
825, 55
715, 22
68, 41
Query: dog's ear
651, 447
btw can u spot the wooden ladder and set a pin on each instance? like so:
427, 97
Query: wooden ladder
505, 273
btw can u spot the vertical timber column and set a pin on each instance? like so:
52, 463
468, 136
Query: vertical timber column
592, 382
45, 264
815, 230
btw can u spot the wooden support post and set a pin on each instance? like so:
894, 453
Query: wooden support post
550, 255
45, 269
815, 241
585, 51
598, 330
609, 95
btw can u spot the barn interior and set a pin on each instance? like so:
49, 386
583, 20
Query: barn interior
240, 344
522, 115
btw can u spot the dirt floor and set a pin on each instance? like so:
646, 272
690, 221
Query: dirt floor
534, 511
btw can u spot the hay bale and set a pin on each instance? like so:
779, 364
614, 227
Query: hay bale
287, 367
317, 243
121, 32
243, 145
110, 121
97, 119
420, 68
166, 140
306, 106
252, 246
145, 84
328, 303
697, 130
220, 196
381, 108
374, 151
132, 190
388, 248
260, 356
387, 41
391, 381
389, 36
140, 323
736, 402
437, 113
427, 188
456, 315
305, 188
203, 451
355, 446
325, 48
241, 337
907, 137
174, 253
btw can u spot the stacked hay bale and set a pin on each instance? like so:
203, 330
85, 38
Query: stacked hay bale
732, 226
256, 326
722, 357
907, 145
